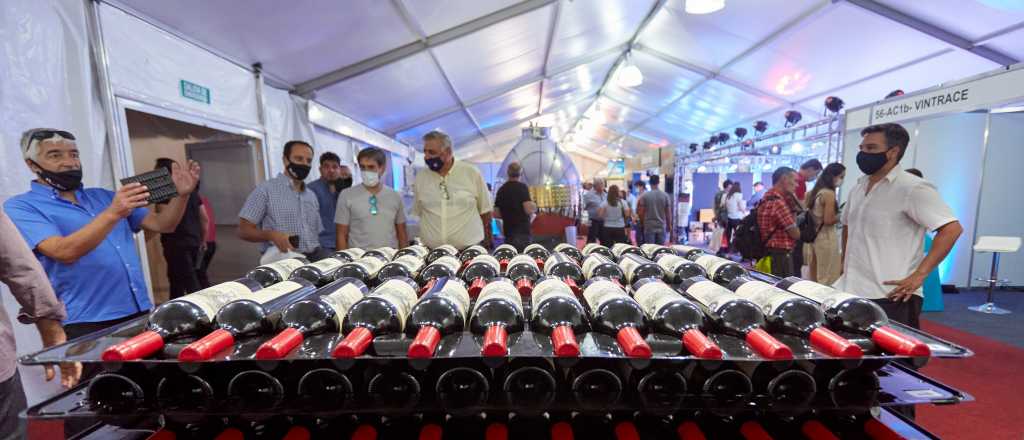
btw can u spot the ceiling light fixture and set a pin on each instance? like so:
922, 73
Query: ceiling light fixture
693, 148
723, 138
740, 133
760, 127
792, 117
698, 7
775, 149
629, 75
834, 104
797, 147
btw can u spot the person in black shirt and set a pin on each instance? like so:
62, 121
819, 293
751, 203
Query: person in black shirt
181, 247
513, 205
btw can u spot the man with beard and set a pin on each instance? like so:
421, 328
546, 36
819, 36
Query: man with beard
334, 178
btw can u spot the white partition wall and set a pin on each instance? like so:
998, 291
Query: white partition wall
1001, 211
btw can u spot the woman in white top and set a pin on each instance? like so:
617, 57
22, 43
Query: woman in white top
737, 209
614, 212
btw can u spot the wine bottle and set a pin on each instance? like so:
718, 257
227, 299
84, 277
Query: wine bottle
273, 273
725, 388
254, 390
796, 315
671, 314
653, 251
530, 383
405, 266
322, 314
444, 250
348, 255
320, 273
189, 315
753, 430
443, 267
439, 312
472, 252
115, 393
570, 251
564, 268
736, 315
638, 268
364, 269
478, 271
325, 388
538, 253
815, 430
721, 270
390, 387
461, 389
199, 390
678, 268
846, 387
689, 252
595, 385
690, 430
790, 389
597, 265
415, 250
613, 312
661, 388
253, 315
592, 248
523, 271
859, 315
383, 311
619, 249
384, 253
498, 311
558, 313
504, 253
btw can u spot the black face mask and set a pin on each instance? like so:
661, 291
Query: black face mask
870, 163
434, 163
299, 171
69, 180
342, 183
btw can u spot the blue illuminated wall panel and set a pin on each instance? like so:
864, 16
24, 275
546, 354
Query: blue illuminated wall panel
1002, 204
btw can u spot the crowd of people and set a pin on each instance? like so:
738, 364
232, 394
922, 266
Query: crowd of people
619, 216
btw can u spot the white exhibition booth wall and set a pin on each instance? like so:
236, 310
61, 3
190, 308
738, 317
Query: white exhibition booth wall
971, 149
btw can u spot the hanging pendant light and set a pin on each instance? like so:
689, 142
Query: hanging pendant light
698, 7
629, 75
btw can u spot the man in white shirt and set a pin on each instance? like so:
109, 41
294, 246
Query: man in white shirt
886, 217
451, 198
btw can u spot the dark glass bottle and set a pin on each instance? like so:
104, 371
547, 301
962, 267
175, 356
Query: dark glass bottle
442, 251
462, 388
725, 388
497, 312
504, 254
688, 252
562, 267
322, 314
570, 251
189, 315
661, 388
595, 248
472, 252
855, 314
638, 268
384, 253
736, 315
595, 385
273, 273
789, 390
653, 251
523, 271
529, 384
678, 268
415, 250
439, 312
383, 311
325, 388
405, 266
620, 249
478, 271
443, 267
615, 313
599, 266
853, 387
558, 313
721, 270
254, 390
349, 255
115, 393
364, 269
320, 273
393, 388
791, 313
538, 253
256, 314
670, 313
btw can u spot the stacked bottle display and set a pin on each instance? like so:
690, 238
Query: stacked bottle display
671, 332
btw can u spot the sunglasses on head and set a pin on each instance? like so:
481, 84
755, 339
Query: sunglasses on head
43, 135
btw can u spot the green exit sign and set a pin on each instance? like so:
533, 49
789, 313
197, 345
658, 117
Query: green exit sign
195, 92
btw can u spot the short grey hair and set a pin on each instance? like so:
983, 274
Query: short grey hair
438, 135
30, 147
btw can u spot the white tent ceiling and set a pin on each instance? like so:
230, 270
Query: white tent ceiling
479, 69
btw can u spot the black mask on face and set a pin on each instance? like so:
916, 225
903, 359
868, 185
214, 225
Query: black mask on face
299, 171
434, 163
69, 180
342, 183
870, 163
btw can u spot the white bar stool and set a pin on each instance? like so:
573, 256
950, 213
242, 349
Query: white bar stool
995, 245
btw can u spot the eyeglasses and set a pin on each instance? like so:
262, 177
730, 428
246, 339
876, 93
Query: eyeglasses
42, 135
373, 205
444, 190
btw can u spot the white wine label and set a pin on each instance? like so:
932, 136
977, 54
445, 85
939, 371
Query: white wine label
400, 294
477, 248
387, 251
212, 298
454, 291
601, 292
564, 246
355, 253
550, 263
420, 251
522, 259
549, 289
649, 249
589, 248
629, 266
670, 262
824, 295
506, 246
503, 290
449, 248
328, 265
684, 248
410, 262
617, 248
590, 264
341, 300
711, 263
535, 246
450, 262
765, 295
285, 267
653, 296
371, 265
487, 259
275, 291
710, 294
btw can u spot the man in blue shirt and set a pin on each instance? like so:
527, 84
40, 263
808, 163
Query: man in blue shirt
334, 178
84, 237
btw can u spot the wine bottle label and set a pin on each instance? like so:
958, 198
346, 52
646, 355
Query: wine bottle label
534, 246
370, 265
653, 296
387, 251
711, 263
275, 291
418, 250
506, 246
410, 262
650, 249
550, 262
502, 290
355, 253
684, 248
328, 265
601, 292
563, 246
212, 298
670, 262
453, 264
449, 248
629, 266
477, 248
284, 268
549, 289
824, 295
710, 294
618, 248
590, 264
765, 295
589, 248
455, 292
488, 260
400, 294
341, 300
522, 259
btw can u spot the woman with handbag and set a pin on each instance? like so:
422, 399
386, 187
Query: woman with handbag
614, 212
824, 260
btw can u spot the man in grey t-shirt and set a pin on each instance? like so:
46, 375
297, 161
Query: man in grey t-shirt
592, 202
653, 209
370, 215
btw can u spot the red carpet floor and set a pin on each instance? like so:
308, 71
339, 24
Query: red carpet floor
994, 376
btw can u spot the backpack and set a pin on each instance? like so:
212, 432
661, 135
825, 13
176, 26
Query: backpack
808, 225
747, 237
721, 211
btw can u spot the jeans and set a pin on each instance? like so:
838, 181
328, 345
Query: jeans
181, 269
731, 226
654, 236
12, 402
